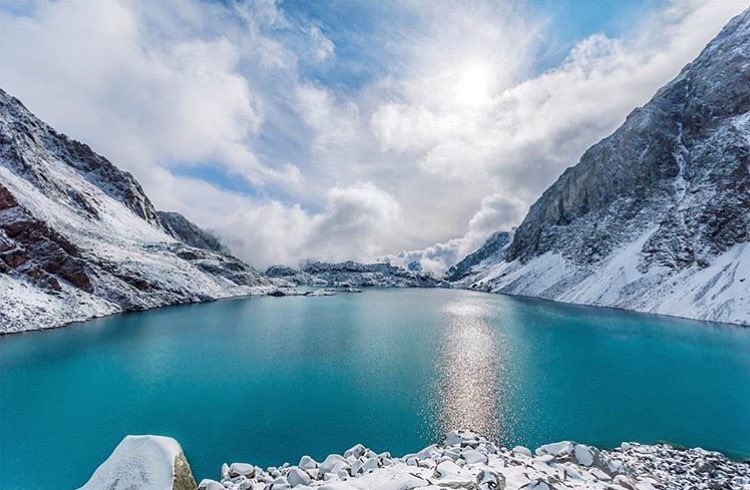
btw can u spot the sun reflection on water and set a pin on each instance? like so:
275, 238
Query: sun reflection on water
467, 393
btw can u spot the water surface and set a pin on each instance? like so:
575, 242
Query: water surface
267, 380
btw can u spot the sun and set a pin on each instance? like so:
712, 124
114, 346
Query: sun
473, 85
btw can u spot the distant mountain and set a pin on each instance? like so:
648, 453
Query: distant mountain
655, 217
79, 238
353, 274
493, 250
180, 228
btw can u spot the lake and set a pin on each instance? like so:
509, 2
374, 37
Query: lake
266, 380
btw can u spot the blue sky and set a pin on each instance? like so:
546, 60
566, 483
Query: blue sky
347, 130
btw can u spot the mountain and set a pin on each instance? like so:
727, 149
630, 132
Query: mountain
655, 217
493, 250
353, 274
182, 229
79, 238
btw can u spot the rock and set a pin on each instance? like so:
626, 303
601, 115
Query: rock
207, 484
333, 464
297, 477
583, 455
244, 469
472, 456
522, 451
146, 463
489, 480
307, 463
356, 451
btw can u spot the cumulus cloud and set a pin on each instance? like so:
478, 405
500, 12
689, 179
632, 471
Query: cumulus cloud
357, 222
452, 138
496, 213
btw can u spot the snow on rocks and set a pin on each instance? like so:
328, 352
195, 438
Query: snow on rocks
146, 463
468, 460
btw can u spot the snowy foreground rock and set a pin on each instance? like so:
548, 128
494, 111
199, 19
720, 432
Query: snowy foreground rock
144, 463
465, 460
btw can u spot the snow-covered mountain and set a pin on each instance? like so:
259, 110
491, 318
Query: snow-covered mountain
79, 238
353, 274
490, 253
655, 217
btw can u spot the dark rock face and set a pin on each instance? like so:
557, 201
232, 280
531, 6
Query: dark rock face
79, 238
679, 164
25, 139
492, 248
179, 227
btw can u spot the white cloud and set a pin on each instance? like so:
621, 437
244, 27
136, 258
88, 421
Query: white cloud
497, 212
450, 141
323, 48
356, 223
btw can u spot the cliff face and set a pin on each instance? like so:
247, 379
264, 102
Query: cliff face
655, 217
182, 229
79, 238
492, 250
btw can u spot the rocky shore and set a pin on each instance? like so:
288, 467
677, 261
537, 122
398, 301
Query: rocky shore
464, 460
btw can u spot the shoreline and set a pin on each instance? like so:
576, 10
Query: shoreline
463, 460
262, 291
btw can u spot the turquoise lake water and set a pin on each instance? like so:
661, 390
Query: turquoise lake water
266, 380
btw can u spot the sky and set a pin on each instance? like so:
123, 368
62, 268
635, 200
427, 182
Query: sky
337, 130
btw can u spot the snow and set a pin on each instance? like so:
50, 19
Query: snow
142, 462
719, 292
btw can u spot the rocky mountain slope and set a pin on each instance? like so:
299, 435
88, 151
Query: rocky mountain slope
655, 217
182, 229
491, 252
79, 238
353, 274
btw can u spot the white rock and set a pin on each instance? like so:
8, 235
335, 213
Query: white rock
333, 464
207, 484
297, 477
244, 469
522, 451
307, 463
583, 454
472, 456
356, 451
142, 462
555, 449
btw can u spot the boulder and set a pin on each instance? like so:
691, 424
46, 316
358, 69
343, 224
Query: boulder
146, 463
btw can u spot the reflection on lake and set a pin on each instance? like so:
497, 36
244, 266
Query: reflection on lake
470, 371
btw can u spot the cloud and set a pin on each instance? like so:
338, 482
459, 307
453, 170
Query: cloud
497, 212
323, 48
355, 223
451, 136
